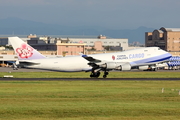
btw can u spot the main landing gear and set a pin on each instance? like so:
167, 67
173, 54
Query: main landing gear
97, 74
105, 74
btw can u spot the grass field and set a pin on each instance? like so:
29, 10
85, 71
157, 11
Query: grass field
144, 74
89, 100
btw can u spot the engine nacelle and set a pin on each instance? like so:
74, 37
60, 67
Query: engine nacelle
125, 66
118, 66
147, 68
112, 65
143, 67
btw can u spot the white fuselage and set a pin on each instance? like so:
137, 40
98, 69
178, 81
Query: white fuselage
136, 57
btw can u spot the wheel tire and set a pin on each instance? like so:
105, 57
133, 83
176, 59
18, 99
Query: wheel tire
91, 75
106, 73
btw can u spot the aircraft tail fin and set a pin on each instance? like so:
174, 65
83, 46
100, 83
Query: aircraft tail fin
23, 50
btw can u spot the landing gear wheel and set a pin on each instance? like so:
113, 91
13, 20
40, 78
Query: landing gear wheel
154, 69
106, 73
98, 74
91, 75
95, 74
104, 76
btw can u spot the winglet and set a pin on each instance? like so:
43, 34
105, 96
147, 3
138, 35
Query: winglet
84, 55
23, 50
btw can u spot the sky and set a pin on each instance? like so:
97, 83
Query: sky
114, 14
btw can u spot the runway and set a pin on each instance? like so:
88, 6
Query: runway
7, 69
85, 79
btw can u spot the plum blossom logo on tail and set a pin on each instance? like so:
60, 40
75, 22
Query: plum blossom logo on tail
113, 57
24, 51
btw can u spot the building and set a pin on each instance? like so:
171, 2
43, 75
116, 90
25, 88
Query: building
70, 49
61, 47
4, 41
101, 42
74, 46
166, 38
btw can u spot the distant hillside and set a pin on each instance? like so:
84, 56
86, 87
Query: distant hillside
24, 27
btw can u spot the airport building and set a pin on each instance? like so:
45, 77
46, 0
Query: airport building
59, 47
102, 43
166, 38
3, 41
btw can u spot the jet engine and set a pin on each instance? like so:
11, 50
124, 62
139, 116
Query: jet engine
147, 68
116, 66
143, 67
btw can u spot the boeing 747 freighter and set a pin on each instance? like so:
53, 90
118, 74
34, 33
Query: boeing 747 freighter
142, 58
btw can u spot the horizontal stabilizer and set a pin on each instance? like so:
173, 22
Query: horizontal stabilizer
27, 63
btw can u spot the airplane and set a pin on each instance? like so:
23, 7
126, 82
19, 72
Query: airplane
141, 58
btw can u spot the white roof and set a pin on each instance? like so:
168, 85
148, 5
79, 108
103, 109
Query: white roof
160, 31
171, 29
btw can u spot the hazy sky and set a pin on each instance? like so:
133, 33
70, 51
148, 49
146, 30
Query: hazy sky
115, 14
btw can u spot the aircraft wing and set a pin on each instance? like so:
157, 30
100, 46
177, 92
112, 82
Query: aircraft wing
106, 65
91, 59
